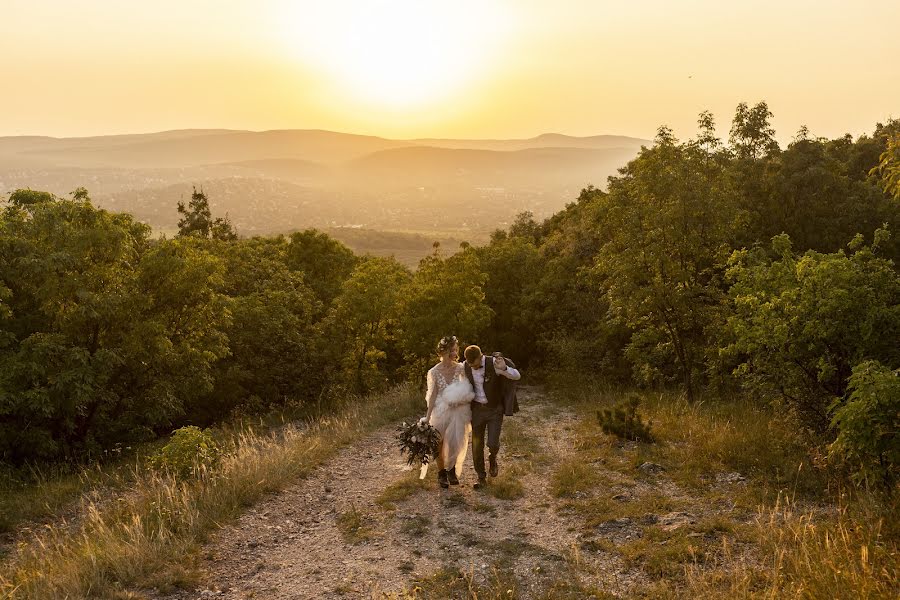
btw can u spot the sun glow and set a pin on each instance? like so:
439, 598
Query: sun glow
397, 53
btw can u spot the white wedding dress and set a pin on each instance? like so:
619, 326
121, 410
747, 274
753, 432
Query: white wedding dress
452, 414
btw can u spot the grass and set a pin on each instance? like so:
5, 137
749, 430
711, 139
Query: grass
520, 455
573, 477
506, 486
148, 535
355, 526
402, 489
452, 583
416, 526
790, 530
846, 555
34, 494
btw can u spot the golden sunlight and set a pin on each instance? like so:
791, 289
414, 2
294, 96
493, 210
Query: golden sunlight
398, 53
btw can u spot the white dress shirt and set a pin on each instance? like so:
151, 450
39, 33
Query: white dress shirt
478, 376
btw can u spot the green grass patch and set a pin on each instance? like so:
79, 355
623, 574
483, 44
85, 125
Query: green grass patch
505, 487
416, 526
452, 583
355, 526
403, 488
573, 477
517, 442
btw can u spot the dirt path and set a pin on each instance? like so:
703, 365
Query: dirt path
363, 526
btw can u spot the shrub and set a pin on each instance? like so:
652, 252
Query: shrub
187, 450
624, 421
868, 424
801, 323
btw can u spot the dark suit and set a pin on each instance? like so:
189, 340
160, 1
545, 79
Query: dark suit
488, 418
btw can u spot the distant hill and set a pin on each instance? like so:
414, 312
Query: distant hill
546, 140
282, 180
546, 166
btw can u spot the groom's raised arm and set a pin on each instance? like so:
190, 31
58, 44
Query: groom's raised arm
509, 372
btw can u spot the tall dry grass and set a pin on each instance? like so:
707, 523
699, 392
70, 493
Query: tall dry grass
148, 536
807, 554
813, 536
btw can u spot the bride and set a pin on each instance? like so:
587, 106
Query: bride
449, 410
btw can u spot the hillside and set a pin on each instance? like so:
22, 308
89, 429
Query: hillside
276, 181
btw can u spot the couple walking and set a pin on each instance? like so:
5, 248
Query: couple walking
465, 397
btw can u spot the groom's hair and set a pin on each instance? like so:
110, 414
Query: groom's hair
472, 354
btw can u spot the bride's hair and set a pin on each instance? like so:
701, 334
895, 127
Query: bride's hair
447, 342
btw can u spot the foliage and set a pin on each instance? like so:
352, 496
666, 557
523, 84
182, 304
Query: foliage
624, 421
272, 334
752, 135
324, 262
365, 318
669, 222
187, 451
197, 220
888, 165
105, 336
801, 323
512, 265
868, 425
444, 297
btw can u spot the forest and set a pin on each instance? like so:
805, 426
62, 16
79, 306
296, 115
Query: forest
731, 270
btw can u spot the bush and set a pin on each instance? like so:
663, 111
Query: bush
187, 450
868, 425
801, 323
624, 421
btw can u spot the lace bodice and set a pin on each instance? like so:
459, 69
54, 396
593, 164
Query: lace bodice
438, 381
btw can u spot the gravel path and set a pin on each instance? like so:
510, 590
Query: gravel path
292, 545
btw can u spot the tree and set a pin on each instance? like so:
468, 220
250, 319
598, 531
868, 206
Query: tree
365, 317
197, 220
800, 323
105, 336
752, 136
513, 267
273, 336
669, 219
868, 425
444, 297
889, 167
324, 262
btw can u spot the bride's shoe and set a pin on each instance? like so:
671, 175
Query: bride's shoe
442, 479
452, 479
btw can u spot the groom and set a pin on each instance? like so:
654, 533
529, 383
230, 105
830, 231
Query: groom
495, 396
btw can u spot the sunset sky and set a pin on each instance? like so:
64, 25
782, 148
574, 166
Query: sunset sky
466, 68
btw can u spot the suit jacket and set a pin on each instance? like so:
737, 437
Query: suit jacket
499, 390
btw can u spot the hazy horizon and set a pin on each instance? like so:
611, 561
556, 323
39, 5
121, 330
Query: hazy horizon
408, 70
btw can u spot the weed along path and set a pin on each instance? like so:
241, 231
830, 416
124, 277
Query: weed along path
553, 524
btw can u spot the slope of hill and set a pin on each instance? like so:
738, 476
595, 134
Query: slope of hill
277, 181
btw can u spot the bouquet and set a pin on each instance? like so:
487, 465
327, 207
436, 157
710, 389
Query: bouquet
420, 441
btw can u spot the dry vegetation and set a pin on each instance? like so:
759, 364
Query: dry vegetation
149, 535
749, 510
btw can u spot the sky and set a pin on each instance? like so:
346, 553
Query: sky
460, 68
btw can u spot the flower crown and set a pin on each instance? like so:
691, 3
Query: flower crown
447, 342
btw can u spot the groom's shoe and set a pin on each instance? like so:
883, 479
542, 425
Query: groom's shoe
481, 483
442, 479
494, 469
452, 479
